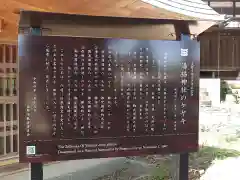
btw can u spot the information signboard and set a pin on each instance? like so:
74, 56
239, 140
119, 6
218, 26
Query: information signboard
83, 98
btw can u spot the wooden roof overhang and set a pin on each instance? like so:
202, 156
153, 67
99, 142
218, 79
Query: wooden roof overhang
146, 9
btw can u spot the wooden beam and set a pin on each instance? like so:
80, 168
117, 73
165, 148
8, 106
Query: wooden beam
227, 10
49, 5
9, 9
8, 38
17, 4
124, 8
1, 24
9, 17
9, 33
221, 0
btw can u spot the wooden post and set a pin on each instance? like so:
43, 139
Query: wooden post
183, 165
36, 171
180, 161
179, 169
9, 76
36, 168
4, 103
213, 74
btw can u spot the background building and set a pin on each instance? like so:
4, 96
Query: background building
220, 47
8, 100
229, 7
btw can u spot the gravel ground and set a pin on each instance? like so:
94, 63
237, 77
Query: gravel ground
219, 128
227, 169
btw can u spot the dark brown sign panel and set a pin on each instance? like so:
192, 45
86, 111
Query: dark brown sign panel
85, 98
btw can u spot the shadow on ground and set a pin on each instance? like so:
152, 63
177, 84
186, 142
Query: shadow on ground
158, 167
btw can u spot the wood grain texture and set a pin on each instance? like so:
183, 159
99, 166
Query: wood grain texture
9, 11
220, 51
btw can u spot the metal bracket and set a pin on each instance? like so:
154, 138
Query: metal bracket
34, 31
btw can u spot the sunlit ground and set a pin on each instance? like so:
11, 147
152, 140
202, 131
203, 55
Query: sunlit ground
215, 160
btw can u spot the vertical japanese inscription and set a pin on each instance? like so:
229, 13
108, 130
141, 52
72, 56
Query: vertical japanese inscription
34, 99
81, 91
192, 79
146, 93
75, 89
28, 120
175, 103
133, 94
165, 90
184, 76
89, 88
154, 91
54, 90
183, 92
141, 90
47, 76
61, 91
69, 95
126, 85
125, 96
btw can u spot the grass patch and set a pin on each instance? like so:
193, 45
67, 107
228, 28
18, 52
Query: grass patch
200, 160
158, 167
162, 171
214, 153
231, 139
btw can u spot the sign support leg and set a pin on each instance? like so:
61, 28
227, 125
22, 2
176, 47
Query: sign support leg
183, 158
36, 171
179, 166
183, 166
36, 168
180, 162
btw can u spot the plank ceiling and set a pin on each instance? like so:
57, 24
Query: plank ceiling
9, 11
